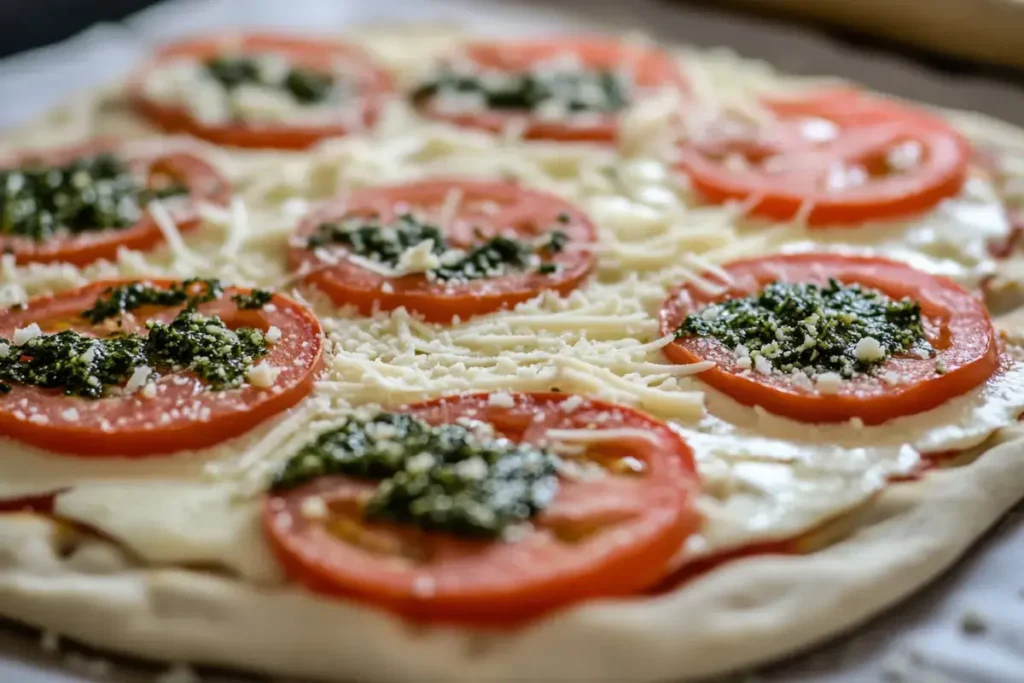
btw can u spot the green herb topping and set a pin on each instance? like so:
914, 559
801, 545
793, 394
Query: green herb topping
81, 366
845, 329
567, 89
305, 86
89, 366
116, 301
459, 478
204, 345
385, 243
254, 300
91, 193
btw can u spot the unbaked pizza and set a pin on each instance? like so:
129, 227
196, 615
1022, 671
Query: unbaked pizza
408, 355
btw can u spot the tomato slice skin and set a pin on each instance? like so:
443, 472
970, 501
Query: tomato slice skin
652, 69
375, 87
520, 212
129, 426
205, 184
956, 323
866, 127
505, 581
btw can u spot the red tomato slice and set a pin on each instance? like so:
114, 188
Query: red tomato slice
833, 155
651, 69
956, 324
609, 536
136, 426
485, 210
373, 83
204, 183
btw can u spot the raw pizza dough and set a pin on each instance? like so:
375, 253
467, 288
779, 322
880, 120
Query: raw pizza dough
232, 609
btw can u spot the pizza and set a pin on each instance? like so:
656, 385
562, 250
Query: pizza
407, 354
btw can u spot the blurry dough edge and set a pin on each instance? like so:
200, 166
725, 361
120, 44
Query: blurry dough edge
981, 30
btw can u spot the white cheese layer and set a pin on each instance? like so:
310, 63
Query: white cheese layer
766, 475
176, 522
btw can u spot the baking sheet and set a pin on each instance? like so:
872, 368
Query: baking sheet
921, 640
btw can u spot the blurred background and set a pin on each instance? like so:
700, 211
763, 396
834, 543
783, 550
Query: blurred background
964, 54
25, 24
951, 34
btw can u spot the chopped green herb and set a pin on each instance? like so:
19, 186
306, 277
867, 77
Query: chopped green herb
89, 366
385, 243
458, 478
254, 300
800, 326
306, 86
494, 257
91, 193
373, 239
116, 301
206, 346
554, 242
81, 366
573, 90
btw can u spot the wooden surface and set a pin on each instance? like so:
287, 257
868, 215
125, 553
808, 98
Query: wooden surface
988, 31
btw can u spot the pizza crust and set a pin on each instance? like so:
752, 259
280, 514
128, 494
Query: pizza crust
751, 610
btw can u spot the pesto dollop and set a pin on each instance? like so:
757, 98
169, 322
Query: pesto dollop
118, 300
203, 344
814, 329
569, 89
458, 478
81, 366
254, 300
87, 366
385, 243
91, 193
305, 86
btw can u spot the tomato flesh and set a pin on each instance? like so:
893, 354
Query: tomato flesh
604, 537
205, 184
485, 210
956, 323
835, 158
373, 83
134, 425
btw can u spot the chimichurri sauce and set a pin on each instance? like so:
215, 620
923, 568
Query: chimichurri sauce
386, 242
306, 86
97, 192
816, 329
572, 90
459, 478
